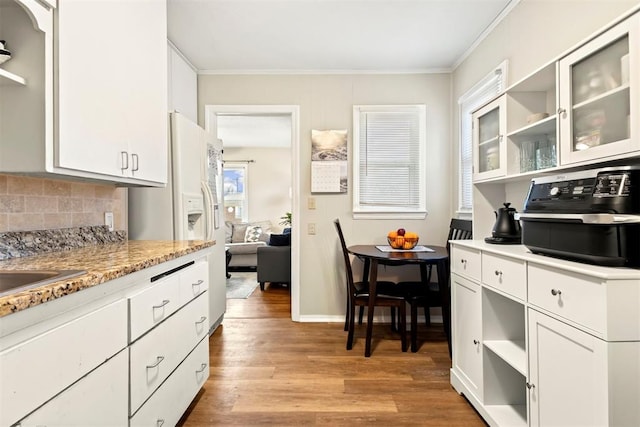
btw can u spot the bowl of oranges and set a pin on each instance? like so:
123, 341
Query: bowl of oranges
402, 239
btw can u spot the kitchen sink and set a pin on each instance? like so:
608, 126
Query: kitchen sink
12, 281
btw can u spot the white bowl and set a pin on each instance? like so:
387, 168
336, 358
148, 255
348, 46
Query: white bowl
532, 118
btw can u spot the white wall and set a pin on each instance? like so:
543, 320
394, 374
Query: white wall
326, 102
534, 33
183, 85
269, 181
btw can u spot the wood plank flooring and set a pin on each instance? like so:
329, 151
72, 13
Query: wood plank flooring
268, 370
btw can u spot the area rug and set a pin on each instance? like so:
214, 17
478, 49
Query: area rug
241, 285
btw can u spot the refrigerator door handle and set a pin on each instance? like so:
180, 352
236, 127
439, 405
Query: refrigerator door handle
208, 209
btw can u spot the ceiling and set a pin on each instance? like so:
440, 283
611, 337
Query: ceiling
322, 36
242, 36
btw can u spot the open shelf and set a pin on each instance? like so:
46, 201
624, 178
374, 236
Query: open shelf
512, 352
508, 415
542, 127
7, 78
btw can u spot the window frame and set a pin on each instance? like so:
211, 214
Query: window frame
386, 212
470, 101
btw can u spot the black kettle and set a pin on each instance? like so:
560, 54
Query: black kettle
507, 228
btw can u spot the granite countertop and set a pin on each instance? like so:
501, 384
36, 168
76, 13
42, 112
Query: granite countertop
102, 263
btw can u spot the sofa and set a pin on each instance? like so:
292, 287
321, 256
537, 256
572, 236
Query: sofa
242, 241
274, 265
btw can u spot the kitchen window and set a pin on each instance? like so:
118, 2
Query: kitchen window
482, 92
389, 168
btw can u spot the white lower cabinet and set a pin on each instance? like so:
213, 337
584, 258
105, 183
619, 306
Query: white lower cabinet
95, 400
547, 343
167, 405
120, 351
567, 375
467, 327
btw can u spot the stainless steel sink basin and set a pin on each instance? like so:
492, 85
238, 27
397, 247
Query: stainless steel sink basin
12, 281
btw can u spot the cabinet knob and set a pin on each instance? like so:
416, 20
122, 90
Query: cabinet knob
159, 423
202, 319
198, 283
476, 342
463, 262
202, 368
159, 360
555, 292
561, 110
499, 273
530, 386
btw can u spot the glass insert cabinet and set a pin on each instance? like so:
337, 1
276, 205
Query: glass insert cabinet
598, 97
489, 128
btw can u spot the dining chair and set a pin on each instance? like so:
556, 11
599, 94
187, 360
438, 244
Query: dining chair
417, 294
387, 295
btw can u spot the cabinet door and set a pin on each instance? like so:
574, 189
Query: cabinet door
567, 375
489, 129
112, 88
599, 96
467, 331
99, 399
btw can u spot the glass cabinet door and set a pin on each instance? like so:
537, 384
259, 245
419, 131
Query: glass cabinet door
489, 126
598, 96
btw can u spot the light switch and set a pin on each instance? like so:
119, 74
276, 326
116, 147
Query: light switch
311, 203
311, 228
108, 220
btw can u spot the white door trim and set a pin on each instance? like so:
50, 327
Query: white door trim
210, 116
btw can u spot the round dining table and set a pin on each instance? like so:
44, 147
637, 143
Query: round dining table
373, 256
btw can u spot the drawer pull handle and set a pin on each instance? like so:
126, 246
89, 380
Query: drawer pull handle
159, 423
530, 386
159, 359
202, 368
555, 292
499, 273
476, 342
202, 319
198, 283
164, 302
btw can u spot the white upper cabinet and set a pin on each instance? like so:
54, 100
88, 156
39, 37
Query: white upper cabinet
489, 129
599, 96
94, 99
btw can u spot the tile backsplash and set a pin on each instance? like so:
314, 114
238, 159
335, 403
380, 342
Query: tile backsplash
28, 203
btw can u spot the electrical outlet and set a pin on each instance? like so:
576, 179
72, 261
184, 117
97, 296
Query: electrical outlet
108, 220
311, 203
311, 228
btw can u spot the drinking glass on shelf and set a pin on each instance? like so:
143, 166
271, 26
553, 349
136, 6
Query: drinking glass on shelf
527, 156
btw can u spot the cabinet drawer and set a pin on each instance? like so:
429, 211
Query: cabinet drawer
154, 356
466, 262
99, 399
193, 281
153, 305
575, 297
506, 274
58, 358
169, 402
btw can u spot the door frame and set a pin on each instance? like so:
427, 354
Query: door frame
210, 120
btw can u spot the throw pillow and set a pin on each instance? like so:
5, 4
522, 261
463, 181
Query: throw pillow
253, 233
280, 240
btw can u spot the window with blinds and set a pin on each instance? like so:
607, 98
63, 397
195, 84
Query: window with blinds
483, 91
389, 161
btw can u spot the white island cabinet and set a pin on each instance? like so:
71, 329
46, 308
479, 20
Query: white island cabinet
83, 97
133, 350
559, 342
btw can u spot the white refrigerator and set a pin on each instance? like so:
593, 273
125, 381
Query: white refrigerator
188, 208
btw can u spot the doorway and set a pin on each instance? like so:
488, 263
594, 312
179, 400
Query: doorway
216, 114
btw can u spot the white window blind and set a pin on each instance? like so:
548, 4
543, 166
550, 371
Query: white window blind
483, 91
389, 168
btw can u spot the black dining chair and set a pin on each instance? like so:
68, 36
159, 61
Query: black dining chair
387, 295
418, 294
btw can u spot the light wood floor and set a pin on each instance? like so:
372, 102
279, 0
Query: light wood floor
268, 370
